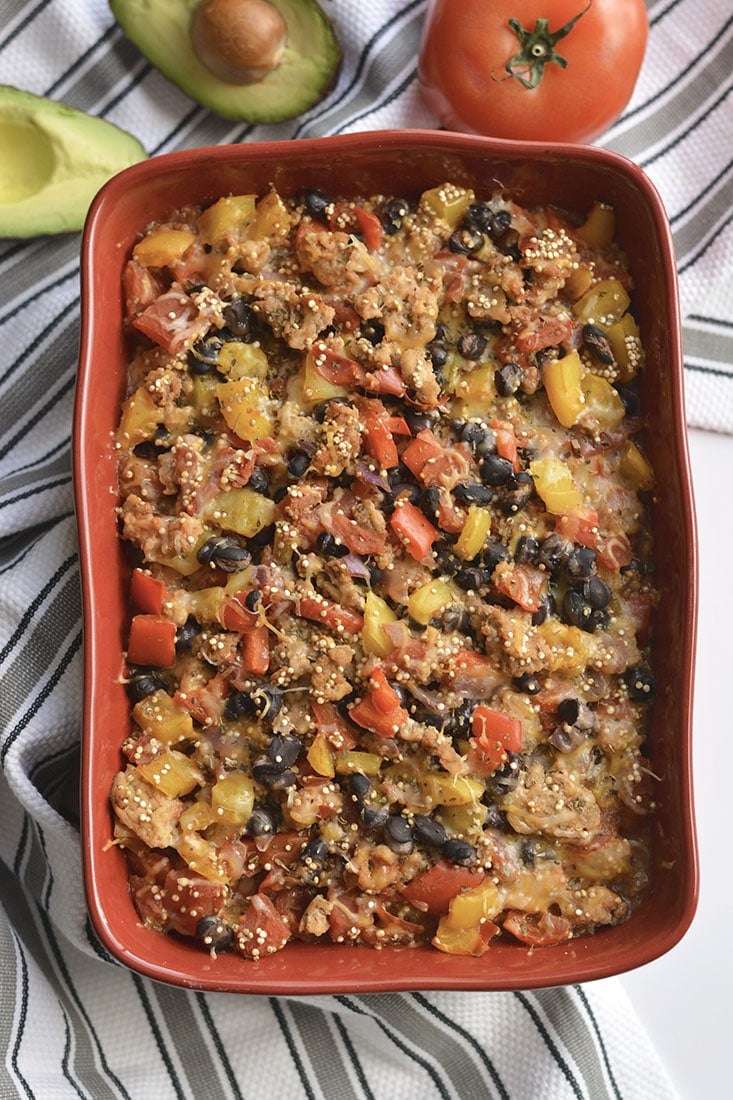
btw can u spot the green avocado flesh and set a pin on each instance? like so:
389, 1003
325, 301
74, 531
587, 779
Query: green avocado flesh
53, 160
160, 30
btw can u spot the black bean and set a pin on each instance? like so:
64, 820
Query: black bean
418, 420
204, 354
298, 464
328, 547
315, 853
599, 619
508, 379
575, 609
581, 562
471, 578
527, 550
261, 822
426, 717
495, 818
398, 835
528, 683
459, 851
315, 201
574, 712
259, 481
479, 216
392, 215
504, 778
496, 470
428, 831
141, 686
492, 553
565, 738
631, 398
272, 774
472, 346
597, 344
519, 491
456, 618
596, 593
459, 725
239, 318
373, 817
438, 353
225, 552
186, 633
429, 502
500, 222
465, 241
447, 562
640, 683
215, 933
148, 449
263, 537
473, 492
284, 750
545, 611
554, 552
372, 330
239, 705
360, 785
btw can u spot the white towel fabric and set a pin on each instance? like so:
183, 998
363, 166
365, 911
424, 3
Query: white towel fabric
72, 1023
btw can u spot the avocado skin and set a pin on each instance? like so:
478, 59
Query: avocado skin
310, 65
53, 160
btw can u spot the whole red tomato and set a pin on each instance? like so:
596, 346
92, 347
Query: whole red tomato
535, 70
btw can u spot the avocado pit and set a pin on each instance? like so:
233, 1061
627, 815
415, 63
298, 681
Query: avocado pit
238, 41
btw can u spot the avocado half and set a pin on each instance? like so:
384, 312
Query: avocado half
53, 160
306, 70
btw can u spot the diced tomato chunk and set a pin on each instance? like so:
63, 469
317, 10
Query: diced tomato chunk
434, 890
524, 584
493, 735
152, 641
261, 929
146, 592
415, 531
540, 929
506, 443
579, 527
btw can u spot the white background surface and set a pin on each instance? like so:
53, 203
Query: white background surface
683, 998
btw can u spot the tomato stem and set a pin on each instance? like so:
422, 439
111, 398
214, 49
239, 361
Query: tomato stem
537, 48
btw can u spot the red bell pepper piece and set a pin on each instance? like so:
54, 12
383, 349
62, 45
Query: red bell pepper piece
152, 641
378, 441
256, 650
493, 735
331, 614
423, 448
354, 219
379, 710
524, 584
235, 615
580, 527
415, 531
146, 592
332, 725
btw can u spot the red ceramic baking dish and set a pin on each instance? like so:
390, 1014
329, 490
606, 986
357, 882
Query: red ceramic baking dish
406, 163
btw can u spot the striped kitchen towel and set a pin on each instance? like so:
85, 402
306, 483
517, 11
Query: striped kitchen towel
71, 1022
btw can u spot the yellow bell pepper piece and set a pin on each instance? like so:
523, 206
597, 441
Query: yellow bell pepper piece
449, 790
320, 757
377, 613
227, 219
563, 385
448, 201
554, 484
625, 341
429, 599
140, 418
605, 303
232, 798
271, 218
241, 510
197, 817
158, 715
635, 468
238, 360
474, 534
313, 388
602, 401
244, 406
201, 857
172, 772
163, 247
351, 760
475, 392
599, 228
